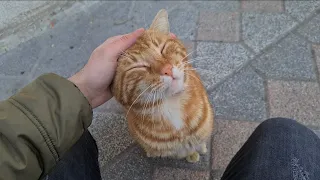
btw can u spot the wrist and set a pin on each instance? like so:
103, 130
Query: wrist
81, 85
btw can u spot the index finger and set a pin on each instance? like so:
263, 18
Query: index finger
122, 43
173, 36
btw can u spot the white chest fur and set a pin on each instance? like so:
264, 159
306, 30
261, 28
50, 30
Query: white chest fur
172, 112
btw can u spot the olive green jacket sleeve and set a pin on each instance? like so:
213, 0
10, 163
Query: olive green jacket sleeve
38, 125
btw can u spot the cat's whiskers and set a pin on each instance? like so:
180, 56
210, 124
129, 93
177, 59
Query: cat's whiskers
152, 114
159, 112
195, 78
187, 69
185, 66
157, 88
161, 109
149, 100
190, 69
145, 105
156, 102
191, 60
189, 87
187, 55
187, 62
138, 98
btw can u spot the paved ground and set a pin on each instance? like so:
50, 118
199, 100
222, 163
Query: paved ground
257, 59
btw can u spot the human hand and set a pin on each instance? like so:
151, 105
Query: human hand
95, 77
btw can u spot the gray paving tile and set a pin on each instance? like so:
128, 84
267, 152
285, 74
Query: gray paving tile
240, 97
230, 137
301, 9
208, 78
182, 17
262, 29
111, 134
295, 100
190, 46
64, 63
203, 163
110, 10
112, 106
183, 20
216, 174
317, 132
316, 49
218, 60
174, 174
10, 86
223, 26
69, 45
312, 30
291, 58
109, 20
21, 60
262, 6
131, 166
216, 6
64, 48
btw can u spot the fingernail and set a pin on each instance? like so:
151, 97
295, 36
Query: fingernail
173, 36
140, 30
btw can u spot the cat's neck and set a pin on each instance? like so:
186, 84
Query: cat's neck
172, 111
169, 110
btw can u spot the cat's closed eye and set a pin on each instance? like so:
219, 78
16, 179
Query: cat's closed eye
139, 66
163, 47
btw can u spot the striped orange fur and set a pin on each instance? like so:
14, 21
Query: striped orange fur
167, 107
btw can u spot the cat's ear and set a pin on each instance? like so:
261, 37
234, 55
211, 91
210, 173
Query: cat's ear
161, 22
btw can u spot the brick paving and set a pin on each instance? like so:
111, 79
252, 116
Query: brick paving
258, 59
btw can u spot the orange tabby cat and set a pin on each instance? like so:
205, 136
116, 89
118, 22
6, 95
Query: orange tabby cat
167, 107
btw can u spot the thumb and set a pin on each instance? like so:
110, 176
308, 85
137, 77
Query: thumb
122, 43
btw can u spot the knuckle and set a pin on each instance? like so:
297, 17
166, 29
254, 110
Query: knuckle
124, 38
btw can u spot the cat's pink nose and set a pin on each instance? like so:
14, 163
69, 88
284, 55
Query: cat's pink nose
166, 70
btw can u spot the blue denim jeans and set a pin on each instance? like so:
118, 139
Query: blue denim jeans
278, 149
79, 163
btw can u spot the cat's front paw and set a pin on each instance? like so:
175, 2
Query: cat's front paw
152, 154
194, 157
203, 149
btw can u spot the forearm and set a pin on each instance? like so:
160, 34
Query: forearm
39, 124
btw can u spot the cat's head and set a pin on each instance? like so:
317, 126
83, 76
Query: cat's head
152, 69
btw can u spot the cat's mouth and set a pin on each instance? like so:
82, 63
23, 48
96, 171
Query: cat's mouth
175, 83
176, 87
